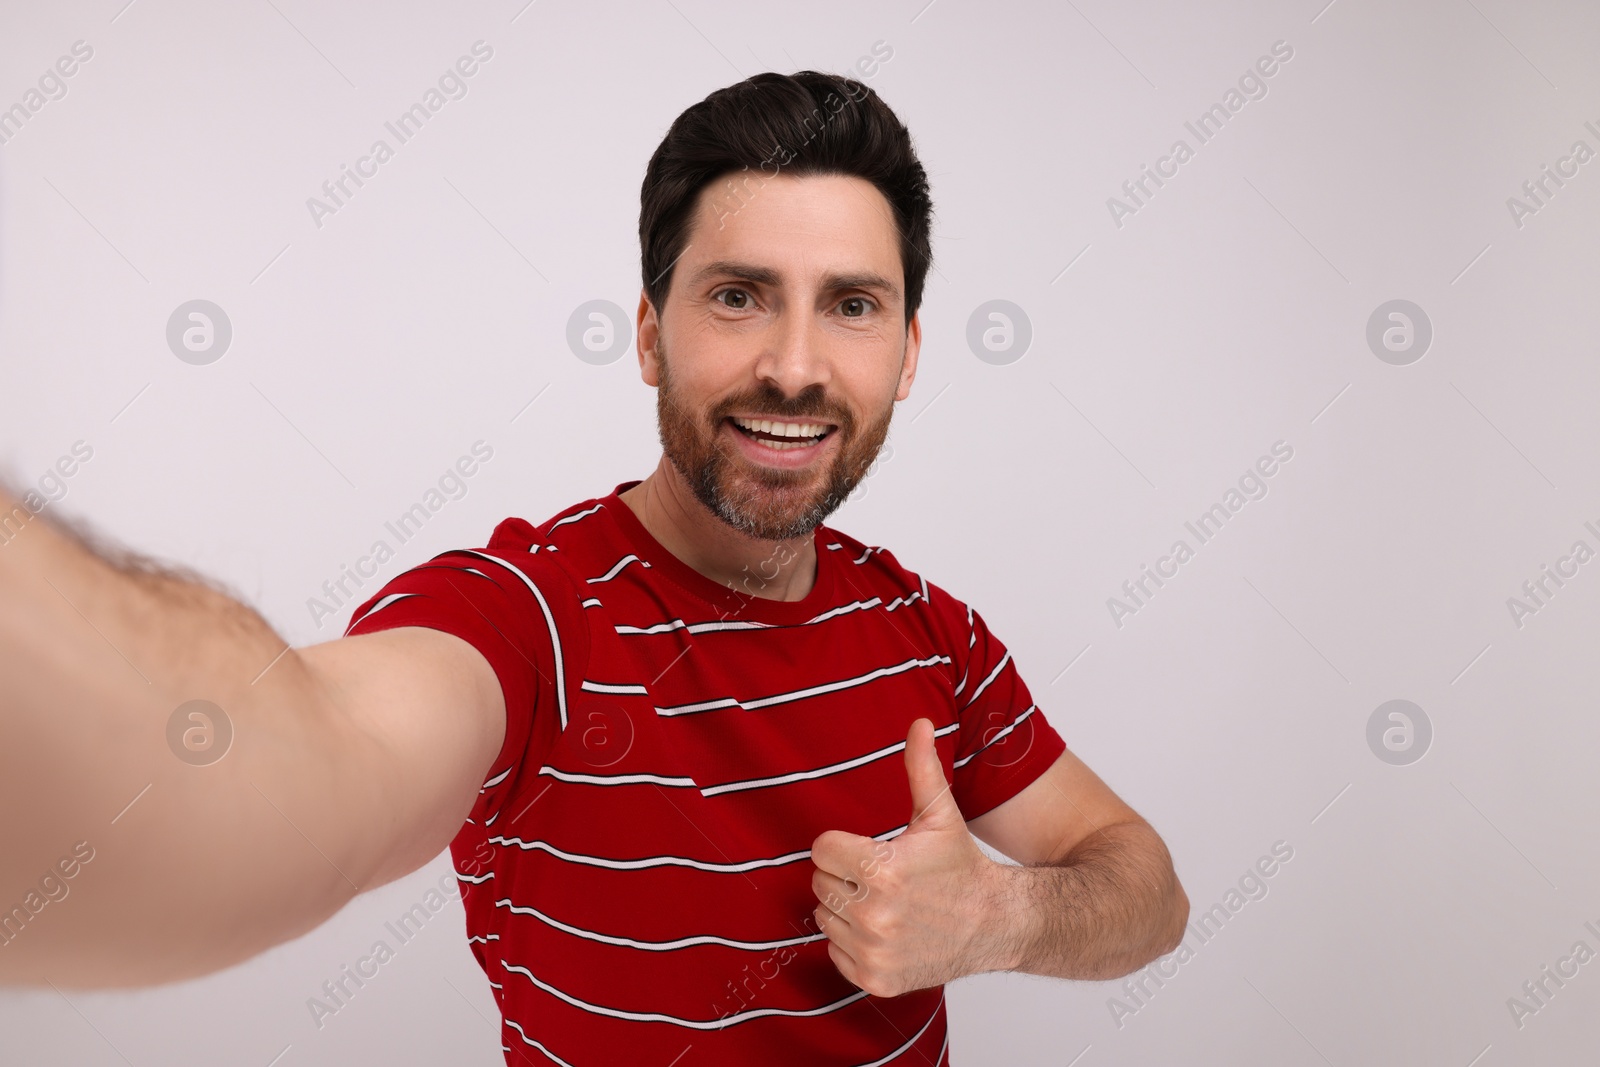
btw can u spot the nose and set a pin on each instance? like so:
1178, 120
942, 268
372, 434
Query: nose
794, 355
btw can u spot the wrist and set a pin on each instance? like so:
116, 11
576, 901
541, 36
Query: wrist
1003, 927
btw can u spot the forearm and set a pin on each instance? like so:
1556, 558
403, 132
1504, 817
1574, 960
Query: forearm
194, 866
1110, 907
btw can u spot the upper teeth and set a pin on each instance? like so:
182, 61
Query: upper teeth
784, 429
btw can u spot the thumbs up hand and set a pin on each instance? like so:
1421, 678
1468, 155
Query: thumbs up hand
921, 909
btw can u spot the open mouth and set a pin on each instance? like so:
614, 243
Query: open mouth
782, 435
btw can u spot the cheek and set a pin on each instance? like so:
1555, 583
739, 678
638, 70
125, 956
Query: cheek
873, 376
865, 384
707, 372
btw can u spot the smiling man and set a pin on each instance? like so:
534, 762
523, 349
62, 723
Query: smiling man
712, 773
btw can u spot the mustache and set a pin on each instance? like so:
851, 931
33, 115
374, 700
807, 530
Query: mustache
811, 404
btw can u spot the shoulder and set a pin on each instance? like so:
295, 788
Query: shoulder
514, 571
554, 546
578, 539
492, 582
880, 569
519, 535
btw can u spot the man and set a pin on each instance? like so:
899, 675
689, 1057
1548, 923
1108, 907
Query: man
710, 771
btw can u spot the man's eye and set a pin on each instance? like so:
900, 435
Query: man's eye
854, 307
739, 295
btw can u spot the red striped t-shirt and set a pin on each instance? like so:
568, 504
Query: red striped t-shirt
636, 871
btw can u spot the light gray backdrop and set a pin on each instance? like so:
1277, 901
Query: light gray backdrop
1442, 852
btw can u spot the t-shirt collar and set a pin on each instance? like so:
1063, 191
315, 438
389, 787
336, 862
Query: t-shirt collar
729, 603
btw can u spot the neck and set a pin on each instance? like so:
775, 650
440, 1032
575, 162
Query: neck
772, 570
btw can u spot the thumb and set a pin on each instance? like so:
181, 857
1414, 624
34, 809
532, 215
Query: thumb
933, 806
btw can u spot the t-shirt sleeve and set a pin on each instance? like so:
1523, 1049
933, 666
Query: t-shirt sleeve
492, 602
1004, 742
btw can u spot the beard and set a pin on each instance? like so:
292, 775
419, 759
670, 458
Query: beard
766, 503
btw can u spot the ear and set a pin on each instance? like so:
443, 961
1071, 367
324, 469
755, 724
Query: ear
648, 333
908, 365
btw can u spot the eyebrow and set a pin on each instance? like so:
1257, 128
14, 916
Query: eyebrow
757, 275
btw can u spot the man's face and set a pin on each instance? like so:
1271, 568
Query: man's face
786, 307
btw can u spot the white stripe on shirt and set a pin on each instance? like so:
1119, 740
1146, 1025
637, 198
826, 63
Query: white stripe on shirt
801, 694
655, 946
820, 772
550, 624
693, 1024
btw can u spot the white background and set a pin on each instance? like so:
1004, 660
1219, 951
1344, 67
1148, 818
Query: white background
1168, 353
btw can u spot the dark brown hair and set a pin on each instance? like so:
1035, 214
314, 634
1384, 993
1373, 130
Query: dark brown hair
794, 124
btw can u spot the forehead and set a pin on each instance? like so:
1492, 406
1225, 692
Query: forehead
804, 227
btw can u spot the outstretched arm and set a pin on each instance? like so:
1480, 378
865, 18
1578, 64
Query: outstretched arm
351, 763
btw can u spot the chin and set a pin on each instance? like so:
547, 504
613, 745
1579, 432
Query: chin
771, 513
